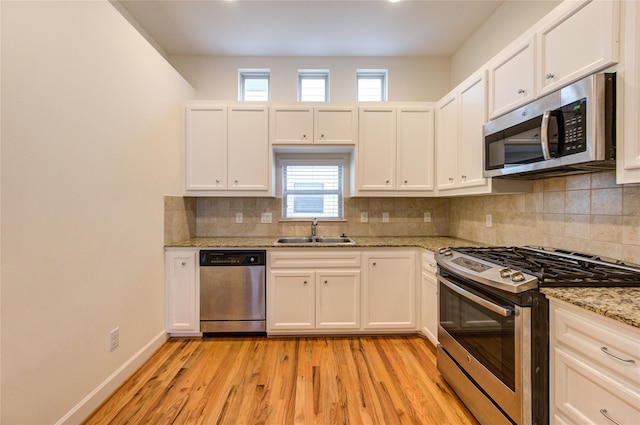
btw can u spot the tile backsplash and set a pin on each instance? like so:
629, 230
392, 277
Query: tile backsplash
588, 213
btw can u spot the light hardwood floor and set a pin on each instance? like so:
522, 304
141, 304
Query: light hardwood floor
256, 380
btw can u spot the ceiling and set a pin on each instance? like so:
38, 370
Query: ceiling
309, 27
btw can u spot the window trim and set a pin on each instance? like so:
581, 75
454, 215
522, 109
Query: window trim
253, 73
313, 74
378, 74
314, 159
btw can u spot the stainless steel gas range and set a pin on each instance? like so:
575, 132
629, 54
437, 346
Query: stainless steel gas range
494, 323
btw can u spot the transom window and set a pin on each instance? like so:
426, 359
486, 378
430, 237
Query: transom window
312, 188
372, 85
253, 84
313, 85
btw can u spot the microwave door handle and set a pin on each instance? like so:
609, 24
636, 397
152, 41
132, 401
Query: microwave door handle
544, 134
505, 312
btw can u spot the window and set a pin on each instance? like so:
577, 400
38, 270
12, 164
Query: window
253, 84
312, 188
372, 85
313, 85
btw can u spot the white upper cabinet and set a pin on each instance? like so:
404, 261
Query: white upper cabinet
227, 150
580, 39
377, 149
461, 115
248, 165
395, 151
415, 148
628, 143
206, 148
302, 125
511, 78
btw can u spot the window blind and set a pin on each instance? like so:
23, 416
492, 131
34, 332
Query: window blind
312, 190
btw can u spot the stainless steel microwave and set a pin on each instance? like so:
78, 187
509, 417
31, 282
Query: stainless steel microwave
569, 131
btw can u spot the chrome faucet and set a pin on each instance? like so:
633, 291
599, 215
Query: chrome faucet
314, 227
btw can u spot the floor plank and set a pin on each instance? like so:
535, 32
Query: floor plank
377, 380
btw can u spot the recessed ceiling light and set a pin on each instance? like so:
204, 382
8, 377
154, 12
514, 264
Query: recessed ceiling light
394, 1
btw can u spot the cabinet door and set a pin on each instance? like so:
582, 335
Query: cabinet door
291, 125
472, 116
291, 300
182, 294
338, 299
447, 142
585, 39
389, 290
335, 126
628, 86
429, 305
248, 148
415, 148
206, 148
511, 79
377, 148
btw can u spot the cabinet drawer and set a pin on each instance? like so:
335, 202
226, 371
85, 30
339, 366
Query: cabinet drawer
314, 257
585, 395
593, 336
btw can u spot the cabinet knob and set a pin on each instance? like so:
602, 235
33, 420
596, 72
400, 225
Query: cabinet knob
322, 136
549, 76
326, 281
450, 179
521, 91
387, 181
304, 136
305, 282
463, 176
184, 263
374, 264
406, 181
217, 181
235, 181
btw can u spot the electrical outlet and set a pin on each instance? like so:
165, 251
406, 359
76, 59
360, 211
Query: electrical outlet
239, 218
488, 220
265, 217
114, 338
427, 216
364, 217
385, 217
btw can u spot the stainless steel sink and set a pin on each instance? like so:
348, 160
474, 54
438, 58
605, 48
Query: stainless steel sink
315, 240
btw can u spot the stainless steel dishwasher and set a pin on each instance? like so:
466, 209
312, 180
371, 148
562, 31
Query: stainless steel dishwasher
232, 291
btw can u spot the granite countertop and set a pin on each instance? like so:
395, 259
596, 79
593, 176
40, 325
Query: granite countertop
432, 243
621, 304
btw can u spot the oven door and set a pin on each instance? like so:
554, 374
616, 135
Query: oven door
488, 339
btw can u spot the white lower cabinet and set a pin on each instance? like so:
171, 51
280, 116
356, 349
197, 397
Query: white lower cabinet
594, 368
182, 292
389, 290
310, 291
429, 294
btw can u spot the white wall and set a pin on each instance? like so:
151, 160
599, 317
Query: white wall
410, 78
506, 24
91, 140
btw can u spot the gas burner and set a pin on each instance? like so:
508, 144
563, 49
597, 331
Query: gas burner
551, 266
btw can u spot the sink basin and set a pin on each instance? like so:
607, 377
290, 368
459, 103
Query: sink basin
315, 240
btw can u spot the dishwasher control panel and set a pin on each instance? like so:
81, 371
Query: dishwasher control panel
232, 258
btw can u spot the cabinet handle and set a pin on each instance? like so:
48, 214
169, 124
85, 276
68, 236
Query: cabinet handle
606, 351
606, 415
521, 91
549, 76
450, 179
463, 176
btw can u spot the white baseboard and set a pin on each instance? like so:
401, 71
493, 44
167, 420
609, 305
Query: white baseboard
88, 404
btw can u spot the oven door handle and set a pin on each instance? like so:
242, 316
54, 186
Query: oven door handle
505, 312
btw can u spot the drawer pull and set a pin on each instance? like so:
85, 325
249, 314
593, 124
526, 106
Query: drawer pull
606, 351
606, 415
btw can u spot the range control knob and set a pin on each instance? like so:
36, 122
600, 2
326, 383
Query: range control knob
445, 251
506, 272
517, 277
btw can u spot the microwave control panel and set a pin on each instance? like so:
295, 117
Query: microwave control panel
575, 127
